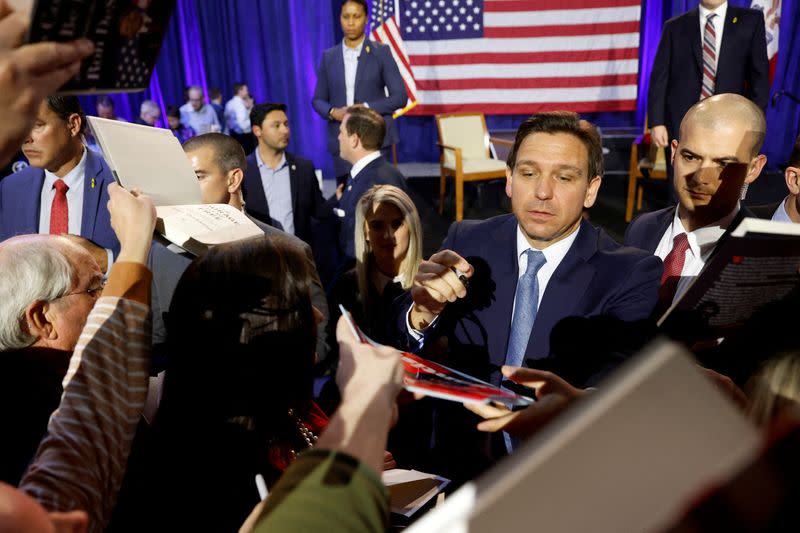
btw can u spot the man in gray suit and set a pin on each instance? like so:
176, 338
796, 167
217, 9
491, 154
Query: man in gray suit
219, 162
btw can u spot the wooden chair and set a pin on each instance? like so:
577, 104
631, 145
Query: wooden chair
647, 162
465, 155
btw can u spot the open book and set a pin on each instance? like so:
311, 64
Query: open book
754, 265
127, 36
425, 377
410, 490
153, 161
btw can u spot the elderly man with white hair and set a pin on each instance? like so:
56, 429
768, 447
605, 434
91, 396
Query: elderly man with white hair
48, 287
149, 113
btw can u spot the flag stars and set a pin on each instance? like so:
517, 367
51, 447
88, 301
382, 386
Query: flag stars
476, 26
435, 27
449, 27
421, 12
408, 13
476, 9
414, 5
462, 10
463, 27
427, 4
448, 11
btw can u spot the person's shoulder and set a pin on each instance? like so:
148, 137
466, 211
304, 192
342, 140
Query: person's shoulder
271, 231
20, 177
618, 258
651, 216
682, 18
747, 15
476, 227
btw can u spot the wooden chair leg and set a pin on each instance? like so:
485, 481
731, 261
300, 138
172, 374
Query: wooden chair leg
459, 197
631, 196
639, 192
442, 188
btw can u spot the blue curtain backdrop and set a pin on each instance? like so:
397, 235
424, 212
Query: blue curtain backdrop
274, 46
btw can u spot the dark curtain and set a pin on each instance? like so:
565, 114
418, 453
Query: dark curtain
275, 45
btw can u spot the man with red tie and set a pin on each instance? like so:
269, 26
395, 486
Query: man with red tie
64, 189
715, 157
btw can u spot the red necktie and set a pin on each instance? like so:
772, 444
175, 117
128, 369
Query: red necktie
673, 266
709, 58
59, 212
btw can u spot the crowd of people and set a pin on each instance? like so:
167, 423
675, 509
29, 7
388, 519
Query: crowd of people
144, 388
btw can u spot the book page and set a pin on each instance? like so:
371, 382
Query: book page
208, 224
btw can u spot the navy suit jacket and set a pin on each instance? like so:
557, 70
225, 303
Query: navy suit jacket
766, 210
646, 230
377, 172
20, 196
376, 70
307, 200
677, 75
596, 277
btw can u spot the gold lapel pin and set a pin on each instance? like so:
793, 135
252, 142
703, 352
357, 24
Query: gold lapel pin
735, 19
367, 48
93, 183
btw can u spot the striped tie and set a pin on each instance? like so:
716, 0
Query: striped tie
709, 58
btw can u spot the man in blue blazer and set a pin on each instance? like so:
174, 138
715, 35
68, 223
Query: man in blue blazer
715, 158
360, 135
498, 287
676, 79
292, 199
357, 71
57, 154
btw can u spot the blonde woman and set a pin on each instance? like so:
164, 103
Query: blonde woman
388, 244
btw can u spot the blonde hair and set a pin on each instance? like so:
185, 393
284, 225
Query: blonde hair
775, 386
375, 196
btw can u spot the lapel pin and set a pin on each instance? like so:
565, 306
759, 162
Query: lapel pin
735, 19
93, 183
367, 48
294, 167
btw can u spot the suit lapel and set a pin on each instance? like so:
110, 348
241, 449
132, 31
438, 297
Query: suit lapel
505, 273
256, 199
363, 63
729, 34
693, 20
32, 196
92, 187
338, 66
656, 228
293, 183
565, 289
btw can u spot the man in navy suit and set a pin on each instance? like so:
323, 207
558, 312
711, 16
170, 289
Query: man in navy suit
65, 189
736, 57
280, 189
357, 71
496, 289
360, 135
788, 208
715, 158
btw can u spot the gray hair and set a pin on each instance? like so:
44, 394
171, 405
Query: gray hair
34, 269
149, 106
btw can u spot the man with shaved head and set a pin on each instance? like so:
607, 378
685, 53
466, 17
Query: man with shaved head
715, 158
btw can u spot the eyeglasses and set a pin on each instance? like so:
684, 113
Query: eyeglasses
93, 292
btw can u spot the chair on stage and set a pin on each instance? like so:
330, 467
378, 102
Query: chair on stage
647, 162
465, 155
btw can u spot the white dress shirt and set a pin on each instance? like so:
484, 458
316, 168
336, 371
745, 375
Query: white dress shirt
237, 116
701, 243
350, 68
554, 254
780, 214
719, 26
74, 180
359, 165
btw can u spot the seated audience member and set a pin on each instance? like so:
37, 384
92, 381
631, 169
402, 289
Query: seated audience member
788, 209
48, 287
279, 187
714, 159
183, 133
105, 109
498, 287
220, 165
80, 463
215, 101
237, 116
149, 113
360, 138
64, 191
237, 391
197, 115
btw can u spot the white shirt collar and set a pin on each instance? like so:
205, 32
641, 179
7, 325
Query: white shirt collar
780, 214
363, 162
553, 253
702, 240
73, 179
721, 11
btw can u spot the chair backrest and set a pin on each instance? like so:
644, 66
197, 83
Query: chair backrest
466, 131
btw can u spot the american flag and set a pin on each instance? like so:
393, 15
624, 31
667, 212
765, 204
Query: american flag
521, 56
387, 32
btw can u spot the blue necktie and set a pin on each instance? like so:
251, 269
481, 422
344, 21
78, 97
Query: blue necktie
526, 304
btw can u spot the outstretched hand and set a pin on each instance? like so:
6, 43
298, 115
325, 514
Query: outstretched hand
133, 217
